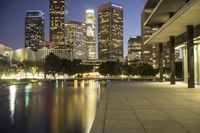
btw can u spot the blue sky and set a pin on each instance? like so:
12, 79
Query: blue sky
12, 14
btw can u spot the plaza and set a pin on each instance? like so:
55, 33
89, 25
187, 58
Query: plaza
148, 107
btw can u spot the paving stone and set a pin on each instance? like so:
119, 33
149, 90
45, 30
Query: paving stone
125, 131
121, 116
162, 124
181, 130
122, 124
148, 107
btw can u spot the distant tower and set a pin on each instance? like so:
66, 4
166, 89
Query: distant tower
34, 29
76, 39
57, 23
110, 31
90, 23
134, 46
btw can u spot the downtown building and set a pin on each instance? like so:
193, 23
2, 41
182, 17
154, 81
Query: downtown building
134, 46
110, 31
76, 39
149, 53
57, 23
178, 27
90, 24
4, 53
34, 30
27, 54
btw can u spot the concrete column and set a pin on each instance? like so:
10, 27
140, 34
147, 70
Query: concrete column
185, 64
161, 61
172, 60
190, 51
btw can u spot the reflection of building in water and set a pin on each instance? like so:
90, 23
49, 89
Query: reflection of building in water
27, 91
75, 83
37, 109
91, 105
82, 83
73, 110
13, 90
54, 108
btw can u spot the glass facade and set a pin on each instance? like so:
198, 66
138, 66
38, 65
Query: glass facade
34, 30
76, 39
57, 22
90, 23
110, 31
134, 46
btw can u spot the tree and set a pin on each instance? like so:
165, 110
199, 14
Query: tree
4, 66
52, 65
112, 68
145, 70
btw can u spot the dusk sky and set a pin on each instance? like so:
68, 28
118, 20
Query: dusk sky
12, 14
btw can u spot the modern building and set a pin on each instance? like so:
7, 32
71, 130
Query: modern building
26, 54
34, 29
150, 53
90, 23
147, 51
61, 53
179, 28
4, 52
76, 39
110, 31
134, 46
57, 22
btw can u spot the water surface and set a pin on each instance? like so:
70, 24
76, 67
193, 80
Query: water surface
49, 107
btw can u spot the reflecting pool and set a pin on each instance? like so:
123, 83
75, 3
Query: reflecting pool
50, 107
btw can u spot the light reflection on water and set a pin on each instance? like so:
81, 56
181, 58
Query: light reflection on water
50, 107
12, 90
27, 91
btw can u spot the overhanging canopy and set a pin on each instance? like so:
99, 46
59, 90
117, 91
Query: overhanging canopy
188, 15
161, 12
151, 3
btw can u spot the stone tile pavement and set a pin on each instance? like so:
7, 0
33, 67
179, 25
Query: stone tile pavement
148, 107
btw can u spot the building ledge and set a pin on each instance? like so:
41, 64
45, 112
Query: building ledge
160, 14
176, 25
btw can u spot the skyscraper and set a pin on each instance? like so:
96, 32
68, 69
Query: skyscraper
90, 23
148, 52
57, 23
34, 29
110, 31
76, 39
134, 46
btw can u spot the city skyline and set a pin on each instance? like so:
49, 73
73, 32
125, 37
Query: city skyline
12, 27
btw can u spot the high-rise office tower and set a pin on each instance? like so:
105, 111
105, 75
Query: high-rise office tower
76, 39
150, 53
57, 23
90, 23
34, 29
110, 31
134, 46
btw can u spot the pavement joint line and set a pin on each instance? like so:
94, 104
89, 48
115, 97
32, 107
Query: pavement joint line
159, 110
134, 111
160, 98
165, 112
107, 94
172, 118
